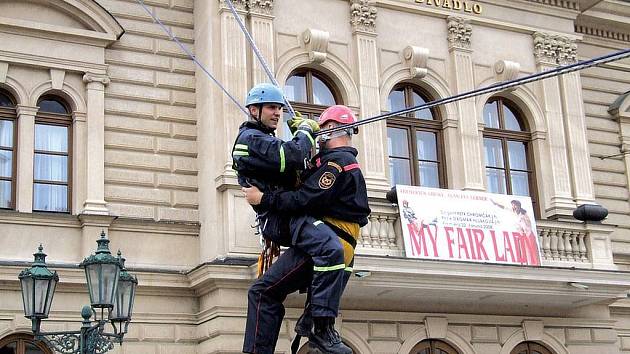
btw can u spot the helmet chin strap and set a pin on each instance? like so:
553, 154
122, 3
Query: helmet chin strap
324, 138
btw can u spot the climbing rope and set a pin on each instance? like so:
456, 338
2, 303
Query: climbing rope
492, 88
256, 51
156, 19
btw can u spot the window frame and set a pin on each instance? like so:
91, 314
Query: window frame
309, 108
527, 346
20, 339
412, 124
505, 136
10, 114
432, 345
61, 120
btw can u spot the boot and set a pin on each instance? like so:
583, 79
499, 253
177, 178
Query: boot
325, 339
304, 324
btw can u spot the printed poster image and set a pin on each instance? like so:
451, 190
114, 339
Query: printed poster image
468, 226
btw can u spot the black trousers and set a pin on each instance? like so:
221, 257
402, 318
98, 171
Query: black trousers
315, 261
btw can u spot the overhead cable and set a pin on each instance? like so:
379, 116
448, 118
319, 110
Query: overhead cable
256, 51
492, 88
156, 19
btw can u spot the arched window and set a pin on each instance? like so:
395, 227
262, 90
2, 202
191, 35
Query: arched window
530, 348
22, 344
507, 141
414, 141
8, 136
309, 92
52, 159
433, 347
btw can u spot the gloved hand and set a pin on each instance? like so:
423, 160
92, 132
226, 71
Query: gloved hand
294, 122
309, 125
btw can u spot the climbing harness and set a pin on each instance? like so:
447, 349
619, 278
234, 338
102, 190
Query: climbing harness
492, 88
157, 20
256, 51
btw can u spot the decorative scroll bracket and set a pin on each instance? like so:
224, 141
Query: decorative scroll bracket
316, 43
415, 58
505, 70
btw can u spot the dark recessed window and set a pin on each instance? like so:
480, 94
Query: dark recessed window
414, 141
530, 348
433, 347
52, 158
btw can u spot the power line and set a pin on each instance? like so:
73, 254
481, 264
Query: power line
492, 88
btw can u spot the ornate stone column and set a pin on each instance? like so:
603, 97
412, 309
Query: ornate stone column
472, 161
25, 152
557, 184
575, 125
95, 149
261, 24
373, 156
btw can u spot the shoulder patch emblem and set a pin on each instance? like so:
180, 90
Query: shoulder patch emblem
326, 180
330, 163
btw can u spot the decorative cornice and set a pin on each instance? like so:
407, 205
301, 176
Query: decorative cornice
602, 32
565, 4
363, 15
459, 32
316, 42
264, 7
98, 78
240, 5
415, 58
553, 49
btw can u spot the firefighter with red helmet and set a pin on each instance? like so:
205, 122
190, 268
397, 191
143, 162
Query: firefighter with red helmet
334, 195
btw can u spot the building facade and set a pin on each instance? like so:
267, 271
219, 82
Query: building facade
106, 124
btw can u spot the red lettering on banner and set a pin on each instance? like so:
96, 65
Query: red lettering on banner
479, 244
471, 244
499, 258
449, 240
461, 240
507, 244
416, 240
432, 237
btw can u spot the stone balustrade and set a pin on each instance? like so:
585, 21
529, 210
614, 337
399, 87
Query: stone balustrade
563, 243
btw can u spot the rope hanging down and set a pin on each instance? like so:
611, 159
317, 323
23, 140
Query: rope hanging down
156, 19
261, 59
492, 88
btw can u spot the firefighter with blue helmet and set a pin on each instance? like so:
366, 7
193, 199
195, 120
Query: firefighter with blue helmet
334, 195
270, 164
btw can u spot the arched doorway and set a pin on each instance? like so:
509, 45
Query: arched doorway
22, 344
433, 347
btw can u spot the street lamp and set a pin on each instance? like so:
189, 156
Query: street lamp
112, 290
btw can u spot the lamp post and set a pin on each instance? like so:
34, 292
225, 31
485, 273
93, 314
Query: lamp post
112, 291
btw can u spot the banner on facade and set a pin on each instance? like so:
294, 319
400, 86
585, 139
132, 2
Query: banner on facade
468, 226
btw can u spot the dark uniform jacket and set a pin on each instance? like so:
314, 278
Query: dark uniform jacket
261, 159
333, 187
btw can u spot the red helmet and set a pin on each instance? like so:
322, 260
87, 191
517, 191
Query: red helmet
338, 113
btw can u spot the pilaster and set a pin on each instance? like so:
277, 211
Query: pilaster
95, 145
575, 125
25, 154
261, 24
472, 161
558, 185
372, 156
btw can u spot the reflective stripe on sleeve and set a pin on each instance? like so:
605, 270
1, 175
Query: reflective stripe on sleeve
349, 269
318, 222
240, 153
329, 269
241, 147
282, 159
307, 135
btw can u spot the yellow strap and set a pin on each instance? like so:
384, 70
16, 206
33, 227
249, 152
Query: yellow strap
349, 269
282, 159
329, 269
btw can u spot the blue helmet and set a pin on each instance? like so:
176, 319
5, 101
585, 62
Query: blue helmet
264, 93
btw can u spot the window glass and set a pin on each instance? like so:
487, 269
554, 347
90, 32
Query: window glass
6, 163
511, 122
397, 142
50, 197
396, 100
400, 171
429, 174
494, 152
423, 114
427, 145
50, 168
518, 157
5, 194
6, 133
5, 101
32, 349
496, 181
491, 115
51, 138
520, 183
52, 105
321, 93
295, 88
